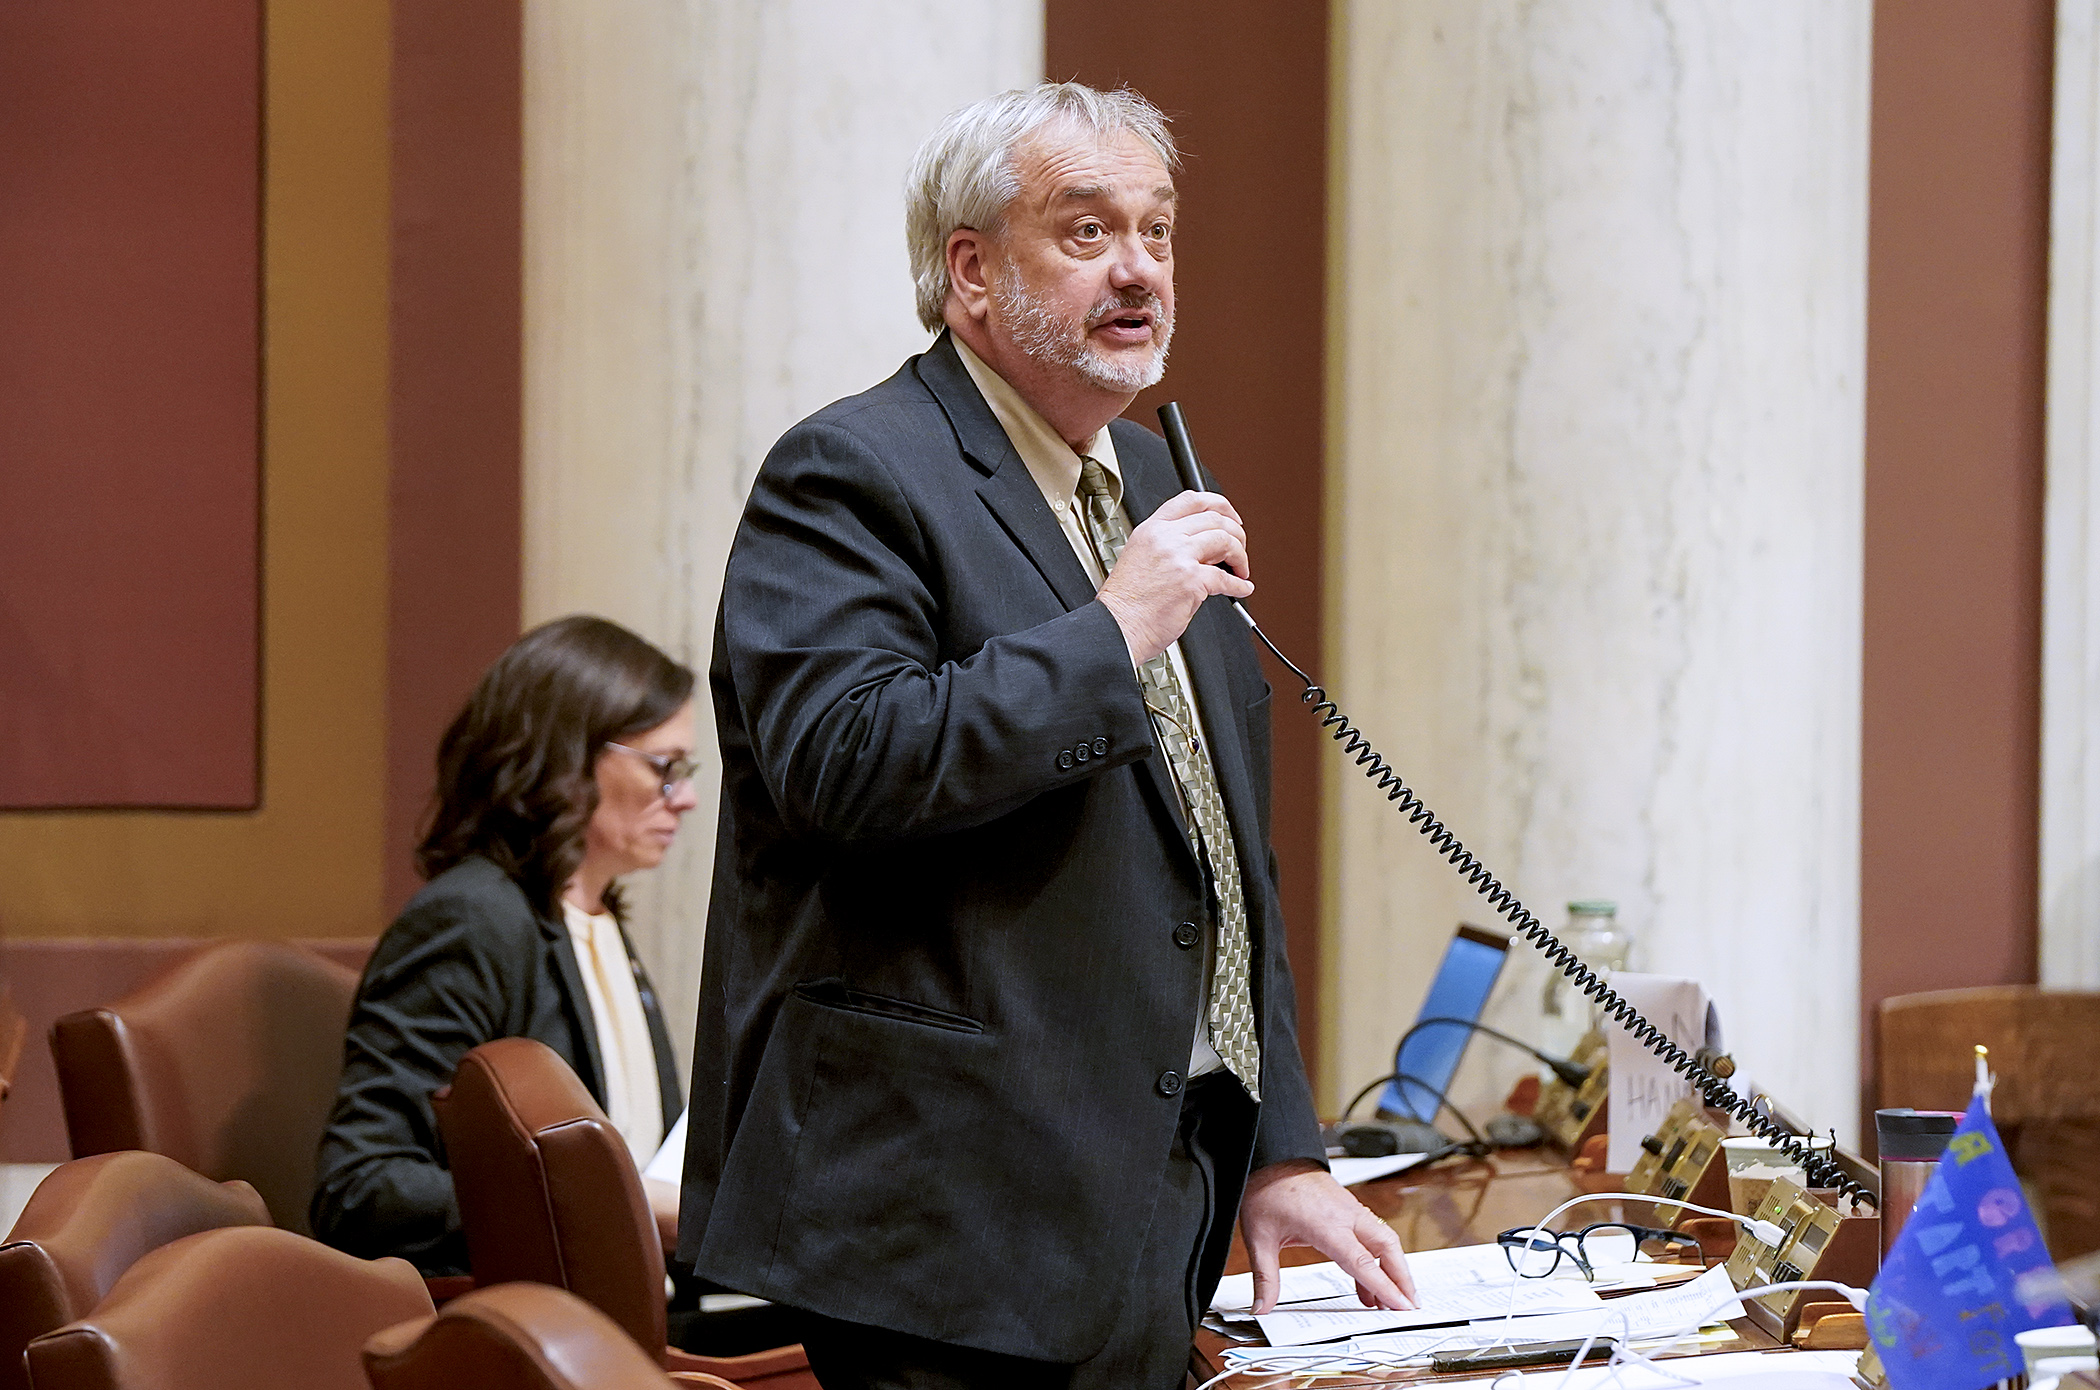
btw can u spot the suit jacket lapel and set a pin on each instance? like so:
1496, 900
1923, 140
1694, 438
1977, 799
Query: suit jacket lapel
563, 952
1008, 489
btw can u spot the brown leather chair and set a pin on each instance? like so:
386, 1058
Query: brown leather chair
517, 1337
243, 1309
88, 1222
228, 1064
549, 1193
2046, 1105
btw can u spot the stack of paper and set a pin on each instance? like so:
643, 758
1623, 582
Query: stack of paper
1319, 1302
1663, 1314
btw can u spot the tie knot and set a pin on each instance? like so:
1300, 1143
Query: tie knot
1093, 478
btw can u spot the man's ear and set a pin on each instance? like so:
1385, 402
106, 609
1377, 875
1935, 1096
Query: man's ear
969, 272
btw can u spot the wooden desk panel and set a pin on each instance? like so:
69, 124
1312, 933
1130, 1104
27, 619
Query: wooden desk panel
1456, 1202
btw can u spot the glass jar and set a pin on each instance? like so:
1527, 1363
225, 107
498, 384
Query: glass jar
1593, 933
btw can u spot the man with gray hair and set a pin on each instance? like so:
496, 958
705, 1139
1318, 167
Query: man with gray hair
996, 1025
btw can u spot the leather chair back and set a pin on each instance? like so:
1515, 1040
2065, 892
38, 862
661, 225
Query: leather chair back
547, 1189
516, 1337
2047, 1101
251, 1308
227, 1064
89, 1222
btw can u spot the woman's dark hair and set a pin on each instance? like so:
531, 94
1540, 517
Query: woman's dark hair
514, 772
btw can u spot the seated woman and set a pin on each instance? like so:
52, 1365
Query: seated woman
570, 766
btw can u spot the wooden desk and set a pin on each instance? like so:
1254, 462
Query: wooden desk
1458, 1202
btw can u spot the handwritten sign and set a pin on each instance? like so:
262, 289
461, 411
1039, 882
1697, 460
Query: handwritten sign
1643, 1086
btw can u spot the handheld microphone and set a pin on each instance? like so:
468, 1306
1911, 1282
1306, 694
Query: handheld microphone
1180, 446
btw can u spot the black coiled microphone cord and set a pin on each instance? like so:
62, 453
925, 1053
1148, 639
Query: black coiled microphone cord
1822, 1172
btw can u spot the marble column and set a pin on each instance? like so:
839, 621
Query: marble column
1598, 327
714, 248
2070, 838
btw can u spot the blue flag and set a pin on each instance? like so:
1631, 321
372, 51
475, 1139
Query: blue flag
1967, 1272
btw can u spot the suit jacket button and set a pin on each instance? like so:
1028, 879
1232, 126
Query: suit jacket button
1187, 935
1064, 760
1170, 1084
1100, 747
1082, 752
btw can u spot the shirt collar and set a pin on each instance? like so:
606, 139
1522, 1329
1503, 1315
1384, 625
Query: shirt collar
583, 924
1051, 461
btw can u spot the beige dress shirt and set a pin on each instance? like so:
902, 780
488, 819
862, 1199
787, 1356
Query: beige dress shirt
633, 1099
1055, 467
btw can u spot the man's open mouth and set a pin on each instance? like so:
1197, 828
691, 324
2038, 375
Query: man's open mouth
1129, 320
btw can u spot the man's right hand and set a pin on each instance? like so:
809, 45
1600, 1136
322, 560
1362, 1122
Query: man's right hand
1171, 565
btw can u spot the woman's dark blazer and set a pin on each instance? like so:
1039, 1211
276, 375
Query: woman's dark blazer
468, 961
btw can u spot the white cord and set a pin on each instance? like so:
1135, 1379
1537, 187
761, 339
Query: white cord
1304, 1363
1624, 1355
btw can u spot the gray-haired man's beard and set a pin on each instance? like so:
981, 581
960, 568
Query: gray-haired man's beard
1045, 336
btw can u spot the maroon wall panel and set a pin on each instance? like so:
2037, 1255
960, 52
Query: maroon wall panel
1957, 299
129, 388
1245, 82
453, 510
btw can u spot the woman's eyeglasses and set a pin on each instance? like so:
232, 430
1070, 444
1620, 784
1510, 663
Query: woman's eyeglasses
1535, 1252
670, 772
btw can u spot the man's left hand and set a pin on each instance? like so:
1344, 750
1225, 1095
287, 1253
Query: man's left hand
1299, 1203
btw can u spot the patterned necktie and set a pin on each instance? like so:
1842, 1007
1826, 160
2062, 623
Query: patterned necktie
1210, 834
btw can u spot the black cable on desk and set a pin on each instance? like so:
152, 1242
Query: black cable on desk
1573, 1073
1442, 1100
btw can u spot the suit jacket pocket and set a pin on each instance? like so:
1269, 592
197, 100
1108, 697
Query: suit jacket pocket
836, 994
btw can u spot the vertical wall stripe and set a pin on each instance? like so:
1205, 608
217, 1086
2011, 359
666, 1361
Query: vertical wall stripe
714, 248
1246, 85
1955, 360
1596, 528
454, 432
2070, 830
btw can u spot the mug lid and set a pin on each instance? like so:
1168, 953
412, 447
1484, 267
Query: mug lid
1914, 1136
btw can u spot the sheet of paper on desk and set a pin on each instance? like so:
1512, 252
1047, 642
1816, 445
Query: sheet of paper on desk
1643, 1086
1434, 1270
1350, 1171
1235, 1295
1347, 1317
1633, 1318
669, 1163
1738, 1370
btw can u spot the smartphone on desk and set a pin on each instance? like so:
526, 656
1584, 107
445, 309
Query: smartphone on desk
1516, 1354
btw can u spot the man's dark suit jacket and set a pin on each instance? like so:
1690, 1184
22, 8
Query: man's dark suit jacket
468, 961
948, 991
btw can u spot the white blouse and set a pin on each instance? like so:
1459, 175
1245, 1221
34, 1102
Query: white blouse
633, 1099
